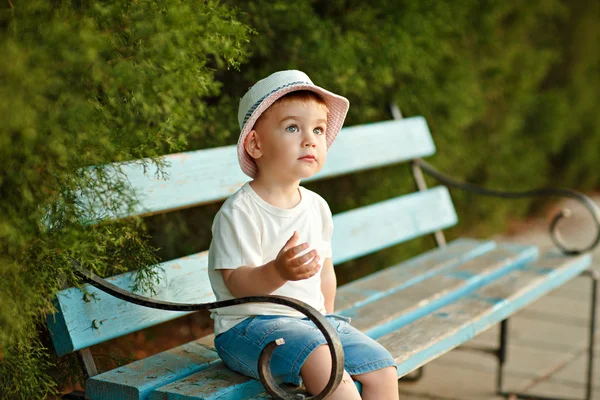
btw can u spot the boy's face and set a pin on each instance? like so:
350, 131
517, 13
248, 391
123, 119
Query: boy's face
288, 135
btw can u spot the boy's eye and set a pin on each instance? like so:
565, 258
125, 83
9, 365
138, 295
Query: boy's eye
292, 128
319, 131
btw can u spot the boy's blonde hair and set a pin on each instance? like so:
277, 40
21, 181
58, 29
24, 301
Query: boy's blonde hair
303, 96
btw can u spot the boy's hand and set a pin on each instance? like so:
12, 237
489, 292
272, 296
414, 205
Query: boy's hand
292, 268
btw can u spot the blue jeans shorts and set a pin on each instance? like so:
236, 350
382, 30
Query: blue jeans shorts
240, 346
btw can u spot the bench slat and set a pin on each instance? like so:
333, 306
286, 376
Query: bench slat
401, 308
182, 280
206, 176
134, 381
420, 341
377, 226
429, 337
185, 280
215, 383
369, 288
401, 276
465, 279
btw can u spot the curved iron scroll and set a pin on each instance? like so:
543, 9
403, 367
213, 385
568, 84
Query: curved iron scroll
554, 233
331, 336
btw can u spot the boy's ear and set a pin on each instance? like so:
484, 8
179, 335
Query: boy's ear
252, 145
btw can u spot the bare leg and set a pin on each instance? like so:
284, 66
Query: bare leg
381, 384
316, 372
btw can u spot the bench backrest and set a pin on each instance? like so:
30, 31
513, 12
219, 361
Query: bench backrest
211, 175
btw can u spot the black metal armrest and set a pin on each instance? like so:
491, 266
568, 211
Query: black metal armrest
264, 362
554, 233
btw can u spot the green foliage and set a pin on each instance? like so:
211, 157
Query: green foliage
509, 90
84, 84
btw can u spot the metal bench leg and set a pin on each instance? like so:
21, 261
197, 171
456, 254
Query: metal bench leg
501, 352
86, 361
594, 276
501, 355
414, 377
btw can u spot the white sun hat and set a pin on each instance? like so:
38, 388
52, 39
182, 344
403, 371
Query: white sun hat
268, 90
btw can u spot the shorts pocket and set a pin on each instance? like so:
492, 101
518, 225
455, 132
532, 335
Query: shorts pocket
260, 328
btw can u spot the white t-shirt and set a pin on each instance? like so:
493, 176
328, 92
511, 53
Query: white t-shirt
247, 231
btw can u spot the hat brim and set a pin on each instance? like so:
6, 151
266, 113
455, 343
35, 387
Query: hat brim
337, 108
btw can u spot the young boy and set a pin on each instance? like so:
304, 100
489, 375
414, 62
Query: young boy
274, 237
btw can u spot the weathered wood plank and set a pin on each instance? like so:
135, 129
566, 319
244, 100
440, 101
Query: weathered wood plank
423, 297
136, 380
389, 142
206, 176
186, 279
398, 277
377, 226
211, 384
401, 308
443, 330
401, 276
491, 295
72, 327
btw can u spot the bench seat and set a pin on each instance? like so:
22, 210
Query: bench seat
418, 309
462, 289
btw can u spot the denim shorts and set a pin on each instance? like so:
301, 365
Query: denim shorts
239, 347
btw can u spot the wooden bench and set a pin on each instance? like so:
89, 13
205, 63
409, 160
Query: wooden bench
418, 309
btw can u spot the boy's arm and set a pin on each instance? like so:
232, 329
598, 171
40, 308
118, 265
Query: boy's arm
328, 285
252, 281
265, 279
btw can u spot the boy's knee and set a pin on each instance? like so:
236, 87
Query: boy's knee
319, 360
388, 374
316, 372
317, 368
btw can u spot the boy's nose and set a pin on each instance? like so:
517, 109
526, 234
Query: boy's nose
310, 140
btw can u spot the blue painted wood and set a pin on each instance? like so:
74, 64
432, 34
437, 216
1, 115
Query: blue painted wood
377, 226
416, 344
370, 288
403, 275
72, 328
403, 307
392, 311
388, 142
59, 330
215, 383
206, 176
357, 232
365, 290
452, 293
136, 380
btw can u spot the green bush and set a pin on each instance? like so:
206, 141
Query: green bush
509, 89
84, 84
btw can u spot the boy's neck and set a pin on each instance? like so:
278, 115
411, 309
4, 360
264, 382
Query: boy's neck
280, 195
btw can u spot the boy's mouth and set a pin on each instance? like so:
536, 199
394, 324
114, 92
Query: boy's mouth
308, 158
